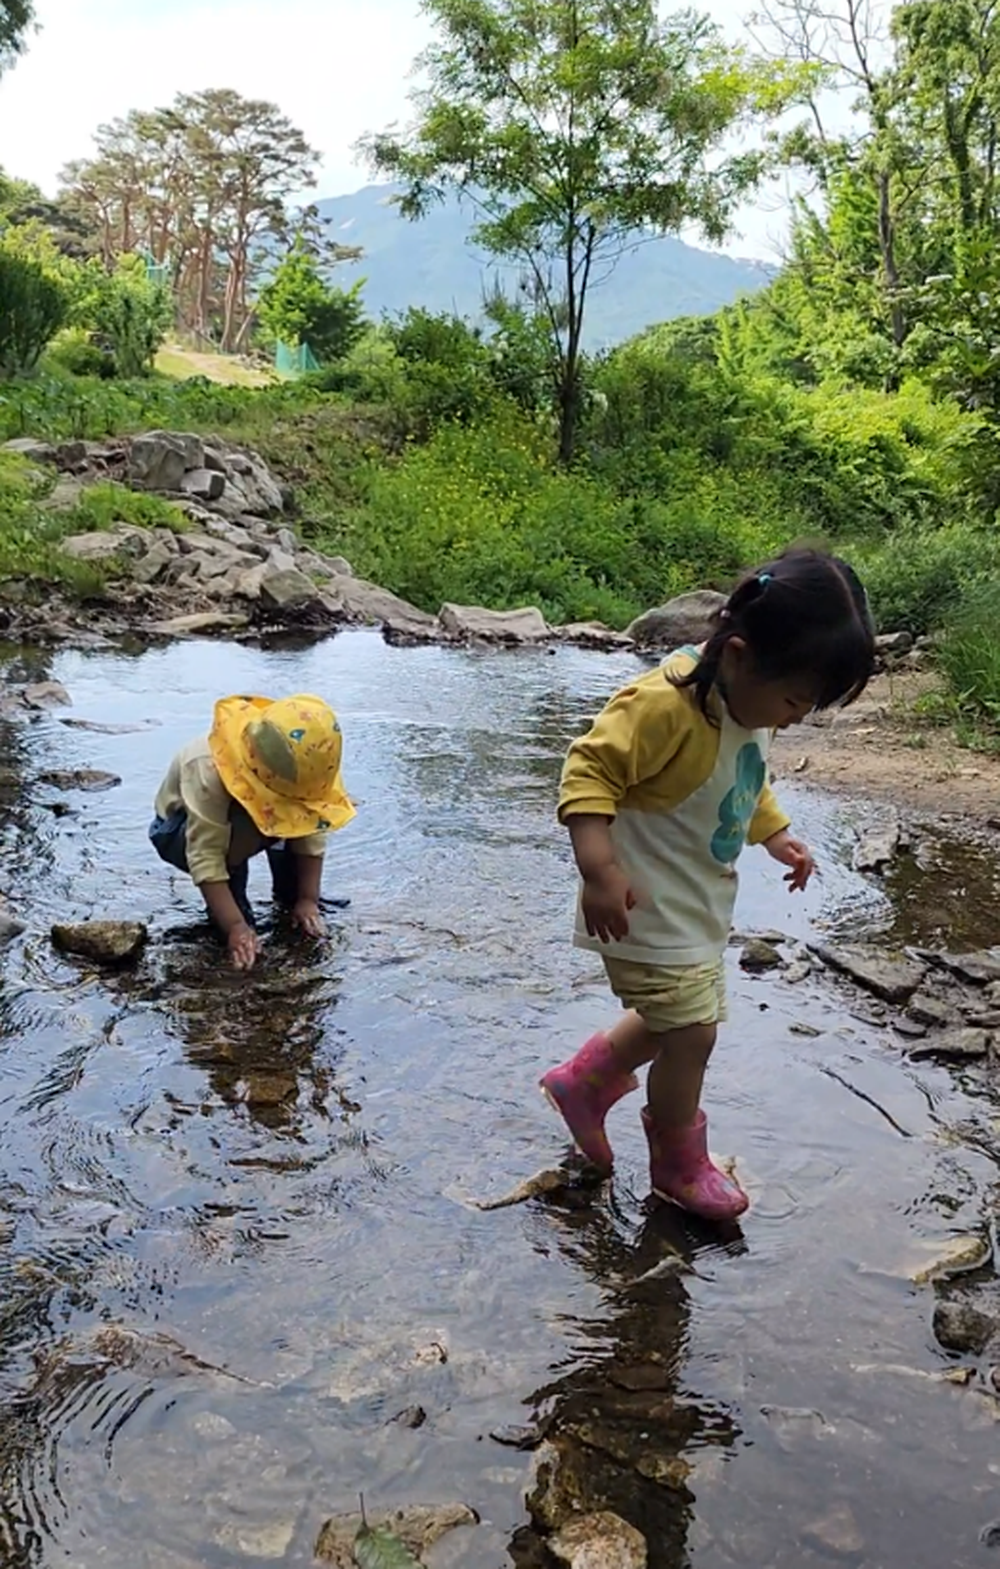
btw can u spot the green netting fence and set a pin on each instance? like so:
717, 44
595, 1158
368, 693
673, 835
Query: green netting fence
294, 359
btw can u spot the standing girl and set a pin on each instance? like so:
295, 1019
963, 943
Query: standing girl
659, 798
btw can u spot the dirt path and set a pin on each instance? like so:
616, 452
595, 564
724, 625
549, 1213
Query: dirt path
885, 748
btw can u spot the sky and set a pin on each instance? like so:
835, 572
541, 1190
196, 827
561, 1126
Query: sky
337, 72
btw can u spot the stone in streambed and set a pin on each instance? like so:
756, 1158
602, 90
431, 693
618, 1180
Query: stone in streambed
958, 1326
599, 1541
885, 975
106, 942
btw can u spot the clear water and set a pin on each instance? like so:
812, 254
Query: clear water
234, 1209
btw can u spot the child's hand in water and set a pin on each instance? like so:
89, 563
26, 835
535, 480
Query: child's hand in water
793, 854
607, 899
242, 945
307, 918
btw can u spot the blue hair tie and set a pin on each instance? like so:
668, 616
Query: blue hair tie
763, 578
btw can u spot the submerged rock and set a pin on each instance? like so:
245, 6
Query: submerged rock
512, 1436
956, 1256
958, 1326
90, 779
551, 1180
878, 845
46, 694
836, 1532
107, 942
599, 1541
891, 977
418, 1527
980, 968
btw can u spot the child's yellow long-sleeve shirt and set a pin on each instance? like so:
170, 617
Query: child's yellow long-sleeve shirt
684, 795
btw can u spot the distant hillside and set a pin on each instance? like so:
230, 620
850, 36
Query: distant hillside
432, 264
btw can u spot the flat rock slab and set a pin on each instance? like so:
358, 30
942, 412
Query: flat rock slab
471, 622
980, 968
958, 1045
107, 942
888, 976
878, 845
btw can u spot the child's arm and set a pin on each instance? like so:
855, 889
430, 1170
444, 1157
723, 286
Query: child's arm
770, 827
635, 738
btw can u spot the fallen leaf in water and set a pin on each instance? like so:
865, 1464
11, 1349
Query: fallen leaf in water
377, 1548
418, 1527
543, 1182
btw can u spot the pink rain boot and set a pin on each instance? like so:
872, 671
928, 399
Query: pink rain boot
583, 1091
680, 1170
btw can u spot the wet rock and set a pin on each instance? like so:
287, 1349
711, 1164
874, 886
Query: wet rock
688, 618
10, 928
592, 634
434, 1354
412, 1417
640, 1376
473, 624
758, 956
957, 1256
599, 1541
980, 968
418, 1527
360, 601
269, 1089
199, 621
631, 1448
910, 1028
958, 1326
107, 942
513, 1436
989, 1536
890, 977
957, 1045
933, 1011
281, 587
558, 1485
204, 484
64, 495
835, 1532
878, 845
46, 694
98, 727
550, 1180
89, 779
798, 971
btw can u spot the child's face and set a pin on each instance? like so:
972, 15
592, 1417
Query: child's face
757, 704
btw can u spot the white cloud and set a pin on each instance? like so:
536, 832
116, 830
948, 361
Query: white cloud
336, 71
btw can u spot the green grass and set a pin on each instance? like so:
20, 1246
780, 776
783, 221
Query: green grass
30, 535
969, 657
105, 504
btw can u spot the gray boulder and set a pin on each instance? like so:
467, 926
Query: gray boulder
472, 623
160, 459
686, 619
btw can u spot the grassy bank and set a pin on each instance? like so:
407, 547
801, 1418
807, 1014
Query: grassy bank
440, 483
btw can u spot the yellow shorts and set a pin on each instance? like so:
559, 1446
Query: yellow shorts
670, 997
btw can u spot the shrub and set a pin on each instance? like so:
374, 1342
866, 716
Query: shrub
33, 307
917, 578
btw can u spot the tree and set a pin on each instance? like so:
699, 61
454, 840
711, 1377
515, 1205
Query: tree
297, 306
129, 313
17, 18
575, 129
33, 307
202, 188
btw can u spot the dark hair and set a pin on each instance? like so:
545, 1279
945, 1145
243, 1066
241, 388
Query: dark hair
803, 614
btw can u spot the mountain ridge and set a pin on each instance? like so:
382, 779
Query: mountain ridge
431, 264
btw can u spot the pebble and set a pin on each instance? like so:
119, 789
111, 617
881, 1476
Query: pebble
759, 955
413, 1417
958, 1326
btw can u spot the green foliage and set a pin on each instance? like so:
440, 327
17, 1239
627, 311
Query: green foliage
918, 577
297, 306
75, 352
105, 504
33, 307
17, 18
127, 313
29, 535
969, 653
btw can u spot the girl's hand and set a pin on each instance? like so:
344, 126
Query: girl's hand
795, 855
607, 899
243, 946
306, 916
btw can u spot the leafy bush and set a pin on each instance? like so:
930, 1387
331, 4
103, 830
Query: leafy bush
75, 352
918, 577
105, 504
969, 653
33, 307
127, 313
297, 305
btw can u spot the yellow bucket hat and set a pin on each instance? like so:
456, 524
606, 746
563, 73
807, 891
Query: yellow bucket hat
280, 759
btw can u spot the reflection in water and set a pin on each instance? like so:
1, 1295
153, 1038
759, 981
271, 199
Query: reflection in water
235, 1231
